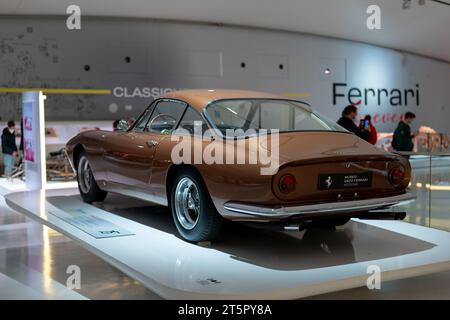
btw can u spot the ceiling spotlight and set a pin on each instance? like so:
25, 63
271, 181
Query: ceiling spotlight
327, 71
406, 4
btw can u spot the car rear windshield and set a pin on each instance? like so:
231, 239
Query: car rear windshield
267, 114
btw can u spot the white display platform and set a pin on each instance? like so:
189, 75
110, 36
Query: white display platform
244, 263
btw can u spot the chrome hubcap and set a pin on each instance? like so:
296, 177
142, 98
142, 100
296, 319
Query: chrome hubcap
187, 203
84, 175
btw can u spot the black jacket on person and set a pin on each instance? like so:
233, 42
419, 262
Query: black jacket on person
8, 142
403, 139
348, 124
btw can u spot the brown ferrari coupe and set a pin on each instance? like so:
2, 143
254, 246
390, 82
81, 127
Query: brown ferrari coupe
323, 174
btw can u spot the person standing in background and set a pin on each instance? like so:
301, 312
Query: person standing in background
131, 122
373, 137
115, 125
347, 121
403, 139
21, 139
9, 147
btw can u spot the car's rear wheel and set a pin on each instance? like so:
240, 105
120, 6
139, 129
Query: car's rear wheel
193, 212
88, 187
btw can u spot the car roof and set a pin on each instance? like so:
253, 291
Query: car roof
200, 98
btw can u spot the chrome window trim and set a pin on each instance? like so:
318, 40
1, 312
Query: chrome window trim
219, 132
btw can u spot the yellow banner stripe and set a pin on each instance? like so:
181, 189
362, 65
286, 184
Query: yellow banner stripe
56, 91
105, 91
296, 94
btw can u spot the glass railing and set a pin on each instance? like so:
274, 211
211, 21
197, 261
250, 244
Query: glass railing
424, 143
430, 183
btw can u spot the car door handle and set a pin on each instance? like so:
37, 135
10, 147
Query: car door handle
152, 143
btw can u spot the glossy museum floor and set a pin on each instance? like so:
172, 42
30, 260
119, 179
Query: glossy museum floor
34, 261
34, 258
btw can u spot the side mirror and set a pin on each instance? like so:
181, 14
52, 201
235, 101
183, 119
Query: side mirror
122, 125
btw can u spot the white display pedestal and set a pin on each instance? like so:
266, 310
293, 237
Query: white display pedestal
247, 264
34, 139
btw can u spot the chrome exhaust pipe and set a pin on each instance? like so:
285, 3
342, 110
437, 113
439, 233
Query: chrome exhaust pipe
292, 227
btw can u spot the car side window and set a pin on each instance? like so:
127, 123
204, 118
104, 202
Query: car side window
142, 122
190, 119
165, 117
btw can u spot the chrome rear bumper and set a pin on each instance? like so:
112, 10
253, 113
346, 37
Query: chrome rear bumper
326, 208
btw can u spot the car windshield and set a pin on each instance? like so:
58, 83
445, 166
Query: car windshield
267, 114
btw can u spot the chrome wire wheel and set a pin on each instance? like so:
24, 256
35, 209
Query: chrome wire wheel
187, 203
84, 175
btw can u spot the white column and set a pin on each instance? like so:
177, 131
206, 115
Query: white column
34, 139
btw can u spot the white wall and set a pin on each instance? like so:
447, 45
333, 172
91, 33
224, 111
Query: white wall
164, 56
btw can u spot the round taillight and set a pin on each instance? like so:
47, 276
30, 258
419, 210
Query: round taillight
287, 183
396, 176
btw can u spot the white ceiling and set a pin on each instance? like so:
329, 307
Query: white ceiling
421, 29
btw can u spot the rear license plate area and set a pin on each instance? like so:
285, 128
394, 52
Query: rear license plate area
331, 181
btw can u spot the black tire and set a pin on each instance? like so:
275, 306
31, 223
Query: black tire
89, 191
208, 222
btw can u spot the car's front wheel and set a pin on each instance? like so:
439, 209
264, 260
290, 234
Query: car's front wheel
193, 212
89, 190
